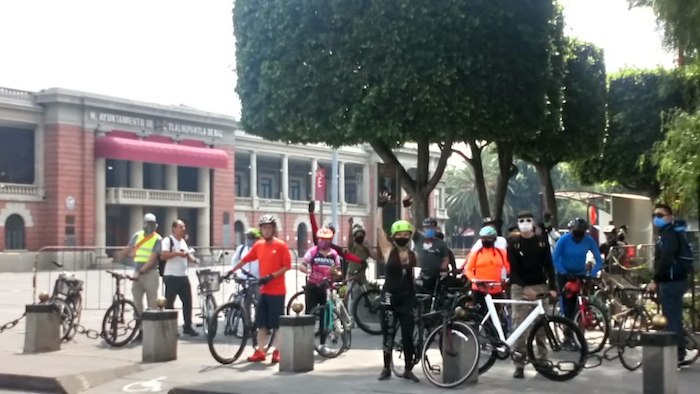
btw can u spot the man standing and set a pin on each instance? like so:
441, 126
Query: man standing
252, 236
433, 254
144, 248
177, 284
274, 258
356, 275
531, 273
670, 274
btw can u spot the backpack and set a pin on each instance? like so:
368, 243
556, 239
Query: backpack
161, 262
683, 263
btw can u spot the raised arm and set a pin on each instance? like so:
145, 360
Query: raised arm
383, 241
312, 219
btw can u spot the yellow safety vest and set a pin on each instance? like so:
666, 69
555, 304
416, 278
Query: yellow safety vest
143, 253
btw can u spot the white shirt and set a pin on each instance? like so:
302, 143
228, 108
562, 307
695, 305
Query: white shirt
177, 266
253, 267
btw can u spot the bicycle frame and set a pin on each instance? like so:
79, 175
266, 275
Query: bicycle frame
522, 327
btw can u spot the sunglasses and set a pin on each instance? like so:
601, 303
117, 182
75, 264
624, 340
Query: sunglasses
658, 215
525, 220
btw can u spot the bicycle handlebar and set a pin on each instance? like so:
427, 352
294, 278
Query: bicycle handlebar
117, 275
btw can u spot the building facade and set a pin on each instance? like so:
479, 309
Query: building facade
81, 169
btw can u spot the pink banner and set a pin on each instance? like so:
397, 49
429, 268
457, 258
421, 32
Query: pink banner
320, 184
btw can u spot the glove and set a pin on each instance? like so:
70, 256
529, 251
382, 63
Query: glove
407, 201
312, 206
384, 197
265, 279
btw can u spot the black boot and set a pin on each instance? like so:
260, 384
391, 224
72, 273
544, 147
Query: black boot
408, 374
519, 373
385, 374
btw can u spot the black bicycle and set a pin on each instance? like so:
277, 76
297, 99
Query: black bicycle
68, 301
122, 320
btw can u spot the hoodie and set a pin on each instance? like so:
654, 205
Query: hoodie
667, 249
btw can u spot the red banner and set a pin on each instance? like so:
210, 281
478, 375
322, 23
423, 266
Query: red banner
320, 184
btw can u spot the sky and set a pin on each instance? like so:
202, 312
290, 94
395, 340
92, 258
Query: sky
182, 52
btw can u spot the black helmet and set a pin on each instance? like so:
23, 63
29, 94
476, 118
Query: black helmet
488, 221
429, 222
331, 227
578, 224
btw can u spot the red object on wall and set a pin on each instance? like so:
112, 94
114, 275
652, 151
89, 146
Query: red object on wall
320, 184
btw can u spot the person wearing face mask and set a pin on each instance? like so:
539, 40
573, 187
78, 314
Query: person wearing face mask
500, 242
398, 296
356, 274
144, 249
531, 273
433, 255
251, 237
344, 254
320, 263
487, 264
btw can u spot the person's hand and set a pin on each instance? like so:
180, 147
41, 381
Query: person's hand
265, 279
312, 206
384, 197
182, 253
136, 275
407, 201
351, 221
651, 287
553, 294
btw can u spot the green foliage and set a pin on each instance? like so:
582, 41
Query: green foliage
680, 20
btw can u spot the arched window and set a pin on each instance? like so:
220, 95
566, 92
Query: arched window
14, 233
239, 232
302, 238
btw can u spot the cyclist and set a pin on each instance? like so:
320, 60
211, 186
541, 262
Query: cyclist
253, 235
500, 242
570, 263
275, 260
356, 275
489, 263
344, 254
319, 264
433, 254
398, 293
547, 227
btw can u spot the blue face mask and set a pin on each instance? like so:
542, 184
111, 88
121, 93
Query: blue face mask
249, 242
430, 233
660, 222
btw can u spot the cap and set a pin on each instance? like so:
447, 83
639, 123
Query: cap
525, 214
149, 217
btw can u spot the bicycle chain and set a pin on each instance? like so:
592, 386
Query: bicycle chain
11, 324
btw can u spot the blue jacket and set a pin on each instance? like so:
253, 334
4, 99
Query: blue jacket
570, 256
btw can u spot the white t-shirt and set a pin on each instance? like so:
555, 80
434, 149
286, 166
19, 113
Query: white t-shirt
177, 266
252, 267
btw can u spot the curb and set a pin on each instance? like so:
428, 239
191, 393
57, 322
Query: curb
66, 384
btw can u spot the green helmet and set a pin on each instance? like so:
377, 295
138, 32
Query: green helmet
254, 232
401, 226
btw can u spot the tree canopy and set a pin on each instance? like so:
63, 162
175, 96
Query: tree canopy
680, 20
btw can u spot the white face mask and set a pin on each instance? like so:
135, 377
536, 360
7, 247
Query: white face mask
525, 227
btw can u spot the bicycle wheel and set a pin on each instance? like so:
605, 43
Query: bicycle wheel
559, 338
367, 313
450, 354
224, 346
297, 297
208, 308
121, 323
595, 326
335, 333
398, 358
628, 338
486, 333
67, 316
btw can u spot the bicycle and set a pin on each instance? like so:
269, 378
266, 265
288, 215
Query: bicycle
122, 319
334, 323
589, 316
496, 345
68, 301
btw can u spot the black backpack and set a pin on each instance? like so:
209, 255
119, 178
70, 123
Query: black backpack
161, 262
683, 263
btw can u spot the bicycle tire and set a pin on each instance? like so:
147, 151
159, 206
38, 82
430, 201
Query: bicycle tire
486, 333
470, 339
208, 308
66, 314
110, 331
298, 294
544, 368
339, 333
632, 339
593, 311
398, 365
222, 318
77, 301
370, 301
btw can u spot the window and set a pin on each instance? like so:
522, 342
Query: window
351, 193
118, 173
14, 233
70, 225
295, 189
239, 232
16, 155
188, 179
265, 187
153, 176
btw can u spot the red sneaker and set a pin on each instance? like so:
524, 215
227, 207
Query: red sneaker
258, 356
275, 356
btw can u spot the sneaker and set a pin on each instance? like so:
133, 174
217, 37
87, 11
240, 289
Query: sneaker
258, 356
410, 376
138, 338
324, 350
385, 374
275, 356
188, 330
684, 362
519, 373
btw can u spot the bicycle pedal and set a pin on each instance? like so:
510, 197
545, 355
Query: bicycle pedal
435, 369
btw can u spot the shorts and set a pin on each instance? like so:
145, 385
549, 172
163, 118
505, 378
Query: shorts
268, 311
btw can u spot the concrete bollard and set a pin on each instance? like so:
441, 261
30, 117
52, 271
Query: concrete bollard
457, 361
43, 329
659, 362
159, 335
297, 343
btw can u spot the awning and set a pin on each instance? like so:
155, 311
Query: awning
159, 152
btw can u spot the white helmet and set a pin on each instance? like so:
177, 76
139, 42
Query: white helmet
149, 217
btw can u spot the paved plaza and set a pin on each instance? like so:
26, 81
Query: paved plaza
90, 366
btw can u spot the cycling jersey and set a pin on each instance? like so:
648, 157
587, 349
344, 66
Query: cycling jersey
320, 264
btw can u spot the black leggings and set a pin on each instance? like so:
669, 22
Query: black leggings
405, 318
315, 296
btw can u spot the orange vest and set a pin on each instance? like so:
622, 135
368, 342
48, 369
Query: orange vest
487, 264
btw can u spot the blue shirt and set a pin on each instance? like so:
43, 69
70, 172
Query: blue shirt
570, 256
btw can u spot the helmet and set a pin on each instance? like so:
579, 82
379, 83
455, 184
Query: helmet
149, 217
356, 229
401, 226
255, 232
324, 233
488, 220
331, 227
429, 222
267, 219
488, 231
578, 224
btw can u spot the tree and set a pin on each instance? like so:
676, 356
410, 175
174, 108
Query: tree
680, 20
388, 72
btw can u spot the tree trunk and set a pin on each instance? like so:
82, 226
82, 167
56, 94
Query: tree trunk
544, 173
479, 181
506, 170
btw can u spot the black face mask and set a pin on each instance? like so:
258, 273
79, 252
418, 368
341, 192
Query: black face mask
401, 241
359, 240
487, 244
578, 234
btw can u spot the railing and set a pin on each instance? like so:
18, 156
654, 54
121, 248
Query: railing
441, 213
167, 198
16, 95
20, 192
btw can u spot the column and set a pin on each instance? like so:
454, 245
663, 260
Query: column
365, 197
100, 204
136, 174
341, 187
136, 218
39, 156
285, 182
254, 177
170, 212
203, 216
314, 168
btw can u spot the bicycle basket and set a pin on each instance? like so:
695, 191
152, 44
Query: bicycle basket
209, 281
61, 287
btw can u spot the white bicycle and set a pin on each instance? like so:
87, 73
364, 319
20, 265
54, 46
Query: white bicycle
550, 337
